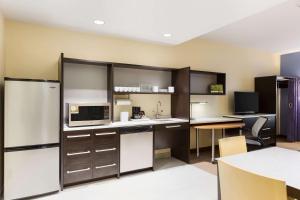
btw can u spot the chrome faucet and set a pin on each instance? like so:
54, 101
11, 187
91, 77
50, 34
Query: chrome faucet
158, 112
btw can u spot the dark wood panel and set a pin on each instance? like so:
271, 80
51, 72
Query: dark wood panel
105, 139
267, 89
74, 160
180, 101
105, 171
105, 158
77, 173
78, 141
110, 88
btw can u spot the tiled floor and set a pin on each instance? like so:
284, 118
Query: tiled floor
172, 179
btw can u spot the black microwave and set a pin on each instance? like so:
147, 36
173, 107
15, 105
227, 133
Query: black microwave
86, 114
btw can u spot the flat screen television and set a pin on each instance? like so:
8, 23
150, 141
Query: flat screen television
246, 102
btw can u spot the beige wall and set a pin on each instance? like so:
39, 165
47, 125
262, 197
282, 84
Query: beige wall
32, 51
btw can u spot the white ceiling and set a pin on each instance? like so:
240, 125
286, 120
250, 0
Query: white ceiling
137, 19
276, 30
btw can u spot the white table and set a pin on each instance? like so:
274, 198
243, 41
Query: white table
277, 163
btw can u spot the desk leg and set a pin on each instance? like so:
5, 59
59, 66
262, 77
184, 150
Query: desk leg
212, 145
223, 133
197, 141
241, 131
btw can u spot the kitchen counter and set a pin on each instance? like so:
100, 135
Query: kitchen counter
208, 120
128, 124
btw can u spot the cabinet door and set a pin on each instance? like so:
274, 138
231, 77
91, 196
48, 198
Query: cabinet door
174, 136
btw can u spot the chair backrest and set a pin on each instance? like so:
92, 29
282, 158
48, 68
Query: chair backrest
232, 145
237, 184
258, 125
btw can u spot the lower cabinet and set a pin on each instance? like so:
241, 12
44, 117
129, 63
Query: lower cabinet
174, 136
90, 154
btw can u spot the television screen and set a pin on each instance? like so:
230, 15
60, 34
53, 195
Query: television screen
245, 102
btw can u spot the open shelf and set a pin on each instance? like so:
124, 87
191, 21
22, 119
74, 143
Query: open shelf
200, 82
122, 93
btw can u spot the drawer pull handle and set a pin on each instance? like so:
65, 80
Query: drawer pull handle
79, 170
266, 138
100, 134
174, 126
78, 153
105, 166
78, 136
265, 129
104, 150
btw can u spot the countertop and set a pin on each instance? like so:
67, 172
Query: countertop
128, 124
207, 120
250, 116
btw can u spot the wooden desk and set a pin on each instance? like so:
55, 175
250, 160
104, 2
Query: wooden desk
274, 162
213, 127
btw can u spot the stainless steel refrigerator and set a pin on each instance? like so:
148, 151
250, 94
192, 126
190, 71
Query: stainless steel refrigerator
31, 137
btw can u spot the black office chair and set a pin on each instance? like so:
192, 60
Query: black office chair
254, 137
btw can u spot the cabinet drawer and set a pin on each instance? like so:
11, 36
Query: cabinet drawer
170, 127
105, 170
76, 158
77, 173
105, 156
77, 141
105, 139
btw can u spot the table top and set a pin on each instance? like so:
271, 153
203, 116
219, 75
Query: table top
211, 120
274, 162
221, 126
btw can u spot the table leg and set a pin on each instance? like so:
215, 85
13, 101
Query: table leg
241, 131
212, 145
197, 142
223, 133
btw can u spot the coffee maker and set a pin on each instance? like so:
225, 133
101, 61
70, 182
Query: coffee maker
137, 113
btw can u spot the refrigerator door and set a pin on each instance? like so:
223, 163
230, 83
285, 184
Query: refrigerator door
31, 113
31, 172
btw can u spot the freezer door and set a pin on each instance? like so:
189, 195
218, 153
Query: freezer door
31, 172
31, 113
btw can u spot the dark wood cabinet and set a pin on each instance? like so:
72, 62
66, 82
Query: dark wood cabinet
90, 154
174, 136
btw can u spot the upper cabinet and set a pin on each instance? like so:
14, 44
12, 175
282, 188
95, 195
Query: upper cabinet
207, 83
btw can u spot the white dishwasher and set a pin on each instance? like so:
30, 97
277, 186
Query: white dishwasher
136, 148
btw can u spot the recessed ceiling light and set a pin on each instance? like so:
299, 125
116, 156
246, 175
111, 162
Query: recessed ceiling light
167, 35
99, 22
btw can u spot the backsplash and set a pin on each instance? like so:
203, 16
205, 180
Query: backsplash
214, 106
147, 102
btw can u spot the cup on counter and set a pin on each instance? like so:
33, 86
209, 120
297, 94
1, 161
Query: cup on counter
171, 89
155, 88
